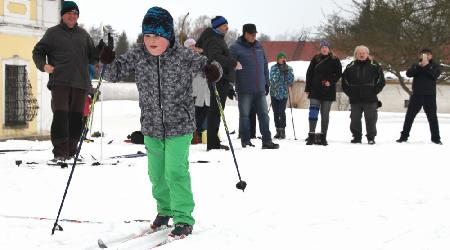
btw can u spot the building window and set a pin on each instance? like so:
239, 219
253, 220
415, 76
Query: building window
20, 105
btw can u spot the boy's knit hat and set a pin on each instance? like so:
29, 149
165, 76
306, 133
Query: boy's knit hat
158, 21
280, 55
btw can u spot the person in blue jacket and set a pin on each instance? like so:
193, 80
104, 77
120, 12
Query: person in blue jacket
252, 85
281, 79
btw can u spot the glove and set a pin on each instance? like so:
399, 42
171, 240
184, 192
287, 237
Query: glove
267, 88
231, 94
213, 72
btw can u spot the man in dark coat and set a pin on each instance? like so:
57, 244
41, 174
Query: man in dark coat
65, 52
214, 48
424, 73
362, 80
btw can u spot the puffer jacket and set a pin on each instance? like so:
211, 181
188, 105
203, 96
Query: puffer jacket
280, 80
215, 48
164, 84
254, 75
323, 68
362, 81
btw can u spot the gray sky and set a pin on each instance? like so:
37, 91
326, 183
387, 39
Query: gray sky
273, 17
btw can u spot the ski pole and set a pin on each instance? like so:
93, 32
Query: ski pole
292, 116
83, 136
241, 184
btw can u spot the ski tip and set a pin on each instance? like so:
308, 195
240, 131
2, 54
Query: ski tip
101, 244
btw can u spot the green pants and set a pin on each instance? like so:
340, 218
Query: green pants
168, 168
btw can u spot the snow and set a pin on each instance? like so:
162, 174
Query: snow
386, 196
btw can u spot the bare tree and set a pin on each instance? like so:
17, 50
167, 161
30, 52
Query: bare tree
394, 30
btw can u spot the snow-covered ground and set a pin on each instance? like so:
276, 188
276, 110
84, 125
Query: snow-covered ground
387, 196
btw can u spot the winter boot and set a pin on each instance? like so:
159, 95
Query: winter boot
356, 140
323, 140
247, 143
181, 231
282, 133
402, 138
278, 134
371, 141
160, 222
195, 138
270, 145
311, 138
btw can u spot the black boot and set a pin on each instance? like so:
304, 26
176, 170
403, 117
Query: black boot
323, 140
311, 139
277, 134
282, 133
270, 145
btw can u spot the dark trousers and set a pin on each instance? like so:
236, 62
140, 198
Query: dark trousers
223, 88
370, 116
253, 122
279, 112
67, 125
416, 102
200, 118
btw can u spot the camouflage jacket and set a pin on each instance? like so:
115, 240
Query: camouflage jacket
164, 84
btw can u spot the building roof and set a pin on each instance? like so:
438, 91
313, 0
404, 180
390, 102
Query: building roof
295, 51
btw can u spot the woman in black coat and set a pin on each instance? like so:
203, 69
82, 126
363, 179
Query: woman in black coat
324, 71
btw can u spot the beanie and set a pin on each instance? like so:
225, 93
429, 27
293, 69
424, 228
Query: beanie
189, 42
325, 43
158, 21
217, 21
69, 6
280, 55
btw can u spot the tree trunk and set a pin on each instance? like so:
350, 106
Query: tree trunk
402, 82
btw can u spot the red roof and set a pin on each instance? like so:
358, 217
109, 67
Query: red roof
295, 51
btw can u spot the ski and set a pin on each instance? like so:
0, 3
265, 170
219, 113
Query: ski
70, 220
166, 241
114, 243
138, 154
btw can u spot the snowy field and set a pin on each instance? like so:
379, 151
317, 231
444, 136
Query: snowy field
388, 196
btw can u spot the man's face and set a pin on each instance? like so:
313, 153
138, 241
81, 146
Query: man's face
70, 19
324, 50
429, 56
223, 28
250, 37
155, 45
362, 54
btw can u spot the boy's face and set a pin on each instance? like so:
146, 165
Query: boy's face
155, 45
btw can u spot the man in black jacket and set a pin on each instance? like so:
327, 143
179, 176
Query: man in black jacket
214, 48
424, 73
362, 80
65, 52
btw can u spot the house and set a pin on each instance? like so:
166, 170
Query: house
294, 50
24, 98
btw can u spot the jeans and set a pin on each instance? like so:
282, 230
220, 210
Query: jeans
245, 102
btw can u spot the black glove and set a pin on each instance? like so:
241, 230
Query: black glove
213, 72
267, 88
231, 93
379, 104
